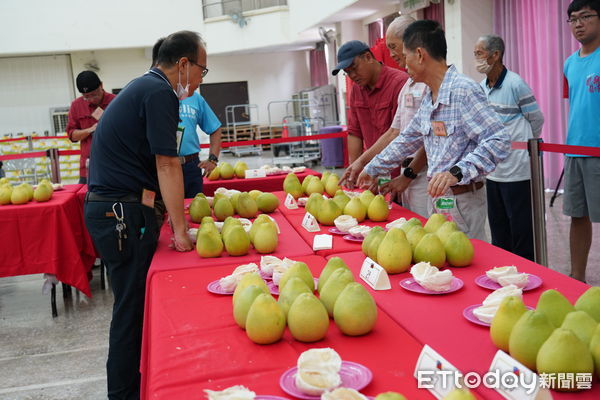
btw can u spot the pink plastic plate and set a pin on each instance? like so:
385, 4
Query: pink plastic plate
215, 287
268, 397
468, 314
353, 375
412, 285
485, 282
336, 231
274, 289
265, 276
353, 238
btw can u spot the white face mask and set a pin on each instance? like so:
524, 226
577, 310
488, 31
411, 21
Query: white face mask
183, 92
482, 66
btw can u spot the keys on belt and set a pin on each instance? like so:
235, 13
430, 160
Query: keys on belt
120, 227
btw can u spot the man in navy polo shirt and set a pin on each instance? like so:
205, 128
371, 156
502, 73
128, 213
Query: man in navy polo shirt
134, 168
195, 111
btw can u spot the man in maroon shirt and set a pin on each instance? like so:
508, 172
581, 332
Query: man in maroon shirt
374, 98
84, 114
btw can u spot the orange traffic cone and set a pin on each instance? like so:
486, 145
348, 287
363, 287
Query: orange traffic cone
284, 130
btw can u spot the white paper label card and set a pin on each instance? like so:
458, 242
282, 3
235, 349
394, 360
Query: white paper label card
322, 242
290, 202
310, 223
436, 374
514, 381
97, 114
256, 173
276, 224
375, 275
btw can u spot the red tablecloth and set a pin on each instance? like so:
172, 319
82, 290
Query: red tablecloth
47, 237
290, 244
193, 344
74, 188
81, 192
271, 183
340, 245
438, 320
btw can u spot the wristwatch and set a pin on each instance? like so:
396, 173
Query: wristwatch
409, 173
213, 158
457, 173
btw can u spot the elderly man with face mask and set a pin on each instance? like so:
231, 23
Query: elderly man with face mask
508, 186
135, 168
373, 99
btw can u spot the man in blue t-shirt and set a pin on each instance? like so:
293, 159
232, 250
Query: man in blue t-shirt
134, 169
195, 111
582, 182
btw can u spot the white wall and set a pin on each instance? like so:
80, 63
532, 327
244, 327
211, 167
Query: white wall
466, 21
42, 26
305, 13
117, 67
270, 76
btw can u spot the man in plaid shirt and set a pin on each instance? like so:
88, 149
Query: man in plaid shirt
463, 137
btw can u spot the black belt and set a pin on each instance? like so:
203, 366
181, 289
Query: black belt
130, 198
188, 158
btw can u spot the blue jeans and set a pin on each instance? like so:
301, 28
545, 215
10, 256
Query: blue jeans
192, 179
127, 268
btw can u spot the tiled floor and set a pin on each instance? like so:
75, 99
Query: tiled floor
45, 358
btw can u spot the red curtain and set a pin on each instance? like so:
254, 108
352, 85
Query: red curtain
318, 68
526, 27
435, 12
375, 32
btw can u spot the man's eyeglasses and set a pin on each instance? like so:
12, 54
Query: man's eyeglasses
204, 69
583, 19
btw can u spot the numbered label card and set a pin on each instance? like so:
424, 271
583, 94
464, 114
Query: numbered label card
255, 173
310, 223
290, 202
435, 373
375, 275
322, 242
514, 381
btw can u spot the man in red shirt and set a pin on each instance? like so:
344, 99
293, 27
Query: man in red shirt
373, 100
84, 114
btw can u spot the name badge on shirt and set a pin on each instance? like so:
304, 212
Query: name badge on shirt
439, 128
97, 113
409, 100
179, 135
148, 197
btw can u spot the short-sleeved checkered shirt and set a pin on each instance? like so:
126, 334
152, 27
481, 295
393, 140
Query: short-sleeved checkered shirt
475, 139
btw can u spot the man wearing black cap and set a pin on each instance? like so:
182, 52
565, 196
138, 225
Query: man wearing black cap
84, 114
374, 98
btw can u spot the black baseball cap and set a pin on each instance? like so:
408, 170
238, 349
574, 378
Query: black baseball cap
347, 52
87, 81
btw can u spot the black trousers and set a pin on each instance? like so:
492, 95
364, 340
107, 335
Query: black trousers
192, 179
127, 268
509, 214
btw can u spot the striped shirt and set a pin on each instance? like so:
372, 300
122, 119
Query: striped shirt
475, 139
517, 108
